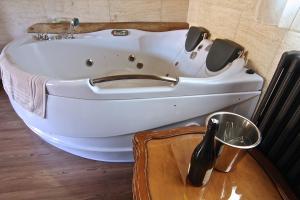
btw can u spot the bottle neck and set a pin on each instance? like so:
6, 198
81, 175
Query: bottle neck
212, 128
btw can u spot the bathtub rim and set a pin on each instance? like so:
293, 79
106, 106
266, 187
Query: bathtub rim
187, 86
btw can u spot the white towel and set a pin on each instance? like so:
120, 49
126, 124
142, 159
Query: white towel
26, 89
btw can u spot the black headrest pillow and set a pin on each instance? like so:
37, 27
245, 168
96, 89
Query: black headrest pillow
221, 53
194, 36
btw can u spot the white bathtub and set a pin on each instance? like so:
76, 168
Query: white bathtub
98, 121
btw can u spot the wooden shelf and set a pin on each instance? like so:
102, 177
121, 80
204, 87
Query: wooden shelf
56, 28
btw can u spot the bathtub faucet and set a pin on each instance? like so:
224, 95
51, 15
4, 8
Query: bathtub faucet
73, 24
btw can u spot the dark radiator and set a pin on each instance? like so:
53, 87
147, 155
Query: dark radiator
278, 118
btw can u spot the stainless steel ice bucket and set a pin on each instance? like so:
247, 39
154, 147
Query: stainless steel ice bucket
236, 134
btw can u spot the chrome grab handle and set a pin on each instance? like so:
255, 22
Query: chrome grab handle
133, 76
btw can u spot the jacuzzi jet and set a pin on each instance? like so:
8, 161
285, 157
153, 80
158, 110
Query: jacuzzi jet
131, 58
193, 55
89, 62
139, 65
200, 47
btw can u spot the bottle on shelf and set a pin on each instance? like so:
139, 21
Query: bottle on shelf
203, 158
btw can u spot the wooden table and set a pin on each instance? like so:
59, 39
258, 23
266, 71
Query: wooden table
158, 170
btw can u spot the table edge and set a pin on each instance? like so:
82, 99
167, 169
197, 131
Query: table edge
140, 154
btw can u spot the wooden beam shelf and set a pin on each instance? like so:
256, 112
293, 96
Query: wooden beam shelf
57, 28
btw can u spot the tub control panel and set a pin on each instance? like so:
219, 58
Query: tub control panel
119, 32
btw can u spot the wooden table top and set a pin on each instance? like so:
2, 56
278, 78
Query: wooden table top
158, 170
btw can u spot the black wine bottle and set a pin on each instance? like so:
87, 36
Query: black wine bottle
203, 158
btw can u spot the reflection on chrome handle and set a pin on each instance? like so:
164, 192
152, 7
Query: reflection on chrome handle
133, 76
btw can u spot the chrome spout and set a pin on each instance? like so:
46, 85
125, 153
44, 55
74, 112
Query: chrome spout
73, 24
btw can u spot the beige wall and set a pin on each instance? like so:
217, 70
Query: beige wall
17, 15
235, 20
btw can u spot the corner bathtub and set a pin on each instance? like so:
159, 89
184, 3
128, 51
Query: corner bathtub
97, 121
